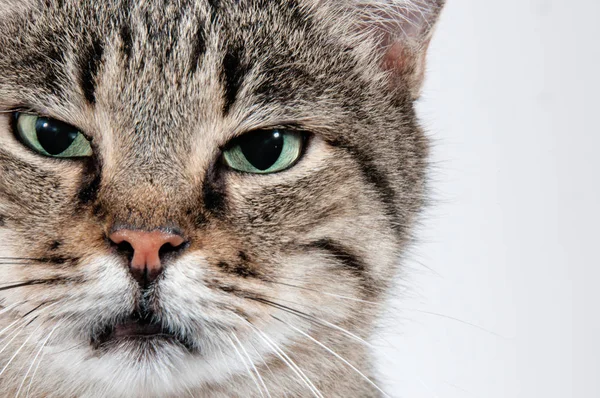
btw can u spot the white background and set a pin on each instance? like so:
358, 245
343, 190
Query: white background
504, 283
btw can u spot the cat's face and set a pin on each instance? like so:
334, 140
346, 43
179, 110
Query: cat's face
168, 254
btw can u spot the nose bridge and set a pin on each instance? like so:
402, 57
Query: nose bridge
144, 198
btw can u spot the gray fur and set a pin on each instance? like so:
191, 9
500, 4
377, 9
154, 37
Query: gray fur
161, 87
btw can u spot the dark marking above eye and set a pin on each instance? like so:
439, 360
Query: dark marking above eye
2, 220
54, 71
198, 50
214, 6
126, 41
89, 69
233, 74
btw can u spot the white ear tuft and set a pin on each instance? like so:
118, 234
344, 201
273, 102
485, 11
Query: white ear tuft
409, 20
402, 31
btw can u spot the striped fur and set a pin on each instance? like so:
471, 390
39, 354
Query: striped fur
273, 260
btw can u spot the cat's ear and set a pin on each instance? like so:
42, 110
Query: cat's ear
401, 30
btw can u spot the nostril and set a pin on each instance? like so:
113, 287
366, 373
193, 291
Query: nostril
169, 249
124, 248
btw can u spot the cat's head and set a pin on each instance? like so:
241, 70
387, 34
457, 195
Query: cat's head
187, 187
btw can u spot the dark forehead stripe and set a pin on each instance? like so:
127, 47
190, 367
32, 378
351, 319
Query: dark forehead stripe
41, 61
56, 63
126, 41
89, 69
198, 49
214, 7
233, 73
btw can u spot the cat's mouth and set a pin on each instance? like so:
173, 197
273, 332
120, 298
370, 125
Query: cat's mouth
141, 329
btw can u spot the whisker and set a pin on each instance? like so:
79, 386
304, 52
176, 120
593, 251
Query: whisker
19, 350
246, 366
252, 364
265, 364
15, 333
39, 362
71, 348
334, 354
451, 318
401, 308
20, 258
24, 320
12, 307
285, 358
187, 389
326, 293
21, 323
312, 318
32, 283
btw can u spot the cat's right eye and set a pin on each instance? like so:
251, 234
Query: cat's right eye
51, 137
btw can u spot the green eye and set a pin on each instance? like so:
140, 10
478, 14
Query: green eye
264, 151
51, 137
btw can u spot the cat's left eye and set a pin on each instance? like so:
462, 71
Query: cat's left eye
265, 151
51, 137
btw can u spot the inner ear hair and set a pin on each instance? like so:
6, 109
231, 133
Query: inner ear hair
402, 30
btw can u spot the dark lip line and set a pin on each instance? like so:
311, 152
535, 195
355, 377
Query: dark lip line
107, 338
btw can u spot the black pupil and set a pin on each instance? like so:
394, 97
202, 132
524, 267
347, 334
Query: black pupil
262, 148
54, 136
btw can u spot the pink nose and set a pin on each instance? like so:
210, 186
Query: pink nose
145, 264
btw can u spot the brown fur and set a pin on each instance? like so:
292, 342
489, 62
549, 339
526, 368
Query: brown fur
161, 87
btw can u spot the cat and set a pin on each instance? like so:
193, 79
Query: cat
204, 198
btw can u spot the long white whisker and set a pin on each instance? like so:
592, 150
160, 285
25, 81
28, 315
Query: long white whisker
40, 361
15, 333
11, 325
34, 360
189, 392
290, 363
297, 371
451, 318
328, 294
11, 307
19, 350
265, 364
252, 364
334, 354
247, 367
317, 320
